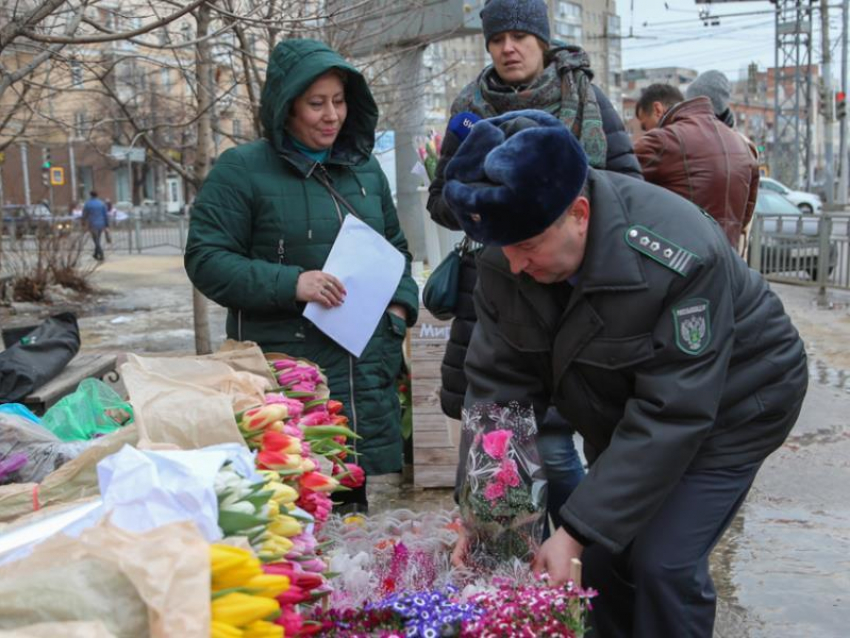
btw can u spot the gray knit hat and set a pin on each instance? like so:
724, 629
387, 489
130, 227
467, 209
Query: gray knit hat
528, 16
713, 85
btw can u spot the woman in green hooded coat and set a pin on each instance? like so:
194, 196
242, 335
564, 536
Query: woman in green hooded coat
264, 222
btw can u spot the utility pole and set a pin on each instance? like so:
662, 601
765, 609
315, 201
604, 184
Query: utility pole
842, 147
72, 169
26, 171
829, 107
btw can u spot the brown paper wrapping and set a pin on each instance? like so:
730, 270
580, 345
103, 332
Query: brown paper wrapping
189, 402
94, 629
244, 356
154, 584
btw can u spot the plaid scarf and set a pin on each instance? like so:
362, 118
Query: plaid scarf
563, 90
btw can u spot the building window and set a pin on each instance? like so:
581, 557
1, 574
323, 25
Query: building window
571, 32
76, 74
237, 128
613, 24
81, 126
569, 10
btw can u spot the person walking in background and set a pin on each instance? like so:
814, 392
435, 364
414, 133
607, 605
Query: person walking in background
624, 305
528, 71
715, 86
655, 100
96, 220
696, 155
266, 217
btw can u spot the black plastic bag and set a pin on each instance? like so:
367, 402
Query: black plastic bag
38, 357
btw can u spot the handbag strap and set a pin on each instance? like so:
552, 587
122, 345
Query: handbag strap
324, 181
467, 246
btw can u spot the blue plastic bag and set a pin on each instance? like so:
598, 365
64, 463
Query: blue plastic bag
19, 409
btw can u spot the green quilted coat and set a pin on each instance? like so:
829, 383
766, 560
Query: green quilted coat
261, 218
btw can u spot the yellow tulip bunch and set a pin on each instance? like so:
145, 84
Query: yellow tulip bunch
243, 597
274, 542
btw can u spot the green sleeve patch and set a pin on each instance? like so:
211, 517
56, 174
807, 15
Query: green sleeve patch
692, 325
664, 251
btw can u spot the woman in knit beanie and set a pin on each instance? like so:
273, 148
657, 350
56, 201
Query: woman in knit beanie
528, 71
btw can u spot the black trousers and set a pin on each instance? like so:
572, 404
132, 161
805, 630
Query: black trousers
660, 587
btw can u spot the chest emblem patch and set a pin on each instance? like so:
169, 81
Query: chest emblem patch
692, 325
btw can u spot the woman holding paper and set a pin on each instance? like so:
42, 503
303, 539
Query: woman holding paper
267, 216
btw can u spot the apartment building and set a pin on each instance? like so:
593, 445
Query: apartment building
93, 112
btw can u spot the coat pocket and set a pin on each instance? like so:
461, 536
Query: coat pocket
616, 353
524, 337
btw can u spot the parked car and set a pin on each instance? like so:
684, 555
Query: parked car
806, 202
33, 219
790, 239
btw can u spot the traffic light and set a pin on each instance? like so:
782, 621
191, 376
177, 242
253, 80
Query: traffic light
752, 78
823, 101
840, 105
45, 166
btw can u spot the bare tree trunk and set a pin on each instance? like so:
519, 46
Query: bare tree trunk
206, 88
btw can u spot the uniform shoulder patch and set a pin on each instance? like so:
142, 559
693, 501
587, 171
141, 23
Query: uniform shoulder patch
665, 252
692, 325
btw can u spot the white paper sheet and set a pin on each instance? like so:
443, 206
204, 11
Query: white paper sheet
370, 268
142, 490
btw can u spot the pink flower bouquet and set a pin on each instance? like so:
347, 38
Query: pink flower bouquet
503, 496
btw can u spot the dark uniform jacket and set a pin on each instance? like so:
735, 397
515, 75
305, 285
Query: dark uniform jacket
262, 217
669, 354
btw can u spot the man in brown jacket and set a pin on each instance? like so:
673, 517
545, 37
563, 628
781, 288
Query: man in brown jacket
696, 155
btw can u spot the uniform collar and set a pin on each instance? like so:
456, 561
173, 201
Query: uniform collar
609, 263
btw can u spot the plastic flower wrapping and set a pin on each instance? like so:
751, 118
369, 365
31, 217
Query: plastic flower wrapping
503, 496
428, 149
393, 577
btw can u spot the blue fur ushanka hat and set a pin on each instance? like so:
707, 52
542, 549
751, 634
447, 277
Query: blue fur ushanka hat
513, 176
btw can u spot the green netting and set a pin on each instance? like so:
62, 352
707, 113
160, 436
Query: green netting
93, 410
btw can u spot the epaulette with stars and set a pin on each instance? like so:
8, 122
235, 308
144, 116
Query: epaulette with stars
664, 251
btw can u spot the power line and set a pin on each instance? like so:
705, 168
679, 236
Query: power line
695, 37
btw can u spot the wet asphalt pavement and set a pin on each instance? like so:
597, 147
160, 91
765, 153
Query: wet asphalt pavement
783, 568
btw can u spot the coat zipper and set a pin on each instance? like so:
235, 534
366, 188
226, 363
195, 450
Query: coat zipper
351, 397
281, 251
350, 357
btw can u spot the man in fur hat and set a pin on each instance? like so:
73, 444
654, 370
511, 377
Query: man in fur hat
625, 306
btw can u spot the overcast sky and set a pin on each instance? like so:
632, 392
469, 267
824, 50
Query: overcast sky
672, 34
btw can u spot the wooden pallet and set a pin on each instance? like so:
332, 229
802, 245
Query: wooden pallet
80, 367
435, 436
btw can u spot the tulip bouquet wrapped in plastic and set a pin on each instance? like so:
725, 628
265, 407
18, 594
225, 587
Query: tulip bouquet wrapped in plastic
428, 149
503, 494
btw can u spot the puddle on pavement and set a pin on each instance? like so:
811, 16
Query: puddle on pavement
771, 579
832, 434
823, 374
